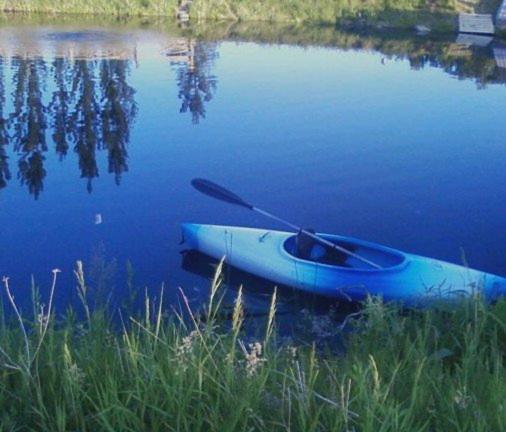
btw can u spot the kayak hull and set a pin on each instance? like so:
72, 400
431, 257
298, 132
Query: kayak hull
410, 279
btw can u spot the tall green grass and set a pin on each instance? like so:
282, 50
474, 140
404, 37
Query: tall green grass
433, 370
328, 11
324, 11
112, 7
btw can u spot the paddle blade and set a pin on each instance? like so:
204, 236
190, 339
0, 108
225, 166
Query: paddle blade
216, 191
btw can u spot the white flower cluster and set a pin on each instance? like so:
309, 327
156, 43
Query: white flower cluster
186, 345
254, 358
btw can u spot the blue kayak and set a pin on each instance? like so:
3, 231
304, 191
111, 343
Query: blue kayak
411, 279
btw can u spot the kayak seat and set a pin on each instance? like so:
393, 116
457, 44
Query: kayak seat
307, 248
311, 250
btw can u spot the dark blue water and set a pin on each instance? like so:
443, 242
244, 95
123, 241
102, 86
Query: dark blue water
101, 131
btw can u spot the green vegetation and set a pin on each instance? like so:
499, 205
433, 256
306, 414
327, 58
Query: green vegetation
113, 7
434, 370
396, 13
439, 15
324, 11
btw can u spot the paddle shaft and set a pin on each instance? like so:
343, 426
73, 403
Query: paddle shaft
214, 190
317, 238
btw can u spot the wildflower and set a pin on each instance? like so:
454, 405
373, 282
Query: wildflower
186, 344
462, 399
42, 318
254, 358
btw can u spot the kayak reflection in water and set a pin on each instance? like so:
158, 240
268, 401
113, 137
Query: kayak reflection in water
307, 248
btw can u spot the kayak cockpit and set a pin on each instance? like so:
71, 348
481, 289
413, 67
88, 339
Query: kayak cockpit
382, 256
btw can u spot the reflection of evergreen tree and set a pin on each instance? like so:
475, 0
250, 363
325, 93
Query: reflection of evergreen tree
118, 111
91, 107
59, 106
195, 81
84, 121
31, 171
29, 122
4, 167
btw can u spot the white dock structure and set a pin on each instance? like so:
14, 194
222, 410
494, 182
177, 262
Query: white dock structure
500, 19
476, 23
500, 56
478, 40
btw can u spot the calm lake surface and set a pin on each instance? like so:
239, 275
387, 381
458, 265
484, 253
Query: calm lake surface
398, 139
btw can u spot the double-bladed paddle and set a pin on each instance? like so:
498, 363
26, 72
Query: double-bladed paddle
214, 190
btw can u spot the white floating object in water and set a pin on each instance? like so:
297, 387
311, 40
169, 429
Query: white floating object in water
98, 219
422, 29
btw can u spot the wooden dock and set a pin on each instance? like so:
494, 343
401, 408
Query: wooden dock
476, 23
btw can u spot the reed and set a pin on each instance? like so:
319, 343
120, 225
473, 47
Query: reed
434, 370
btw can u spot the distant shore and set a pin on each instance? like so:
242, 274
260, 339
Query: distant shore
438, 15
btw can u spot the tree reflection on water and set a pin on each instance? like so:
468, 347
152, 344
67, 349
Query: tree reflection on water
195, 80
28, 121
77, 99
4, 167
84, 104
90, 108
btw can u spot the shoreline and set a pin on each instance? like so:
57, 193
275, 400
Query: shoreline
348, 15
